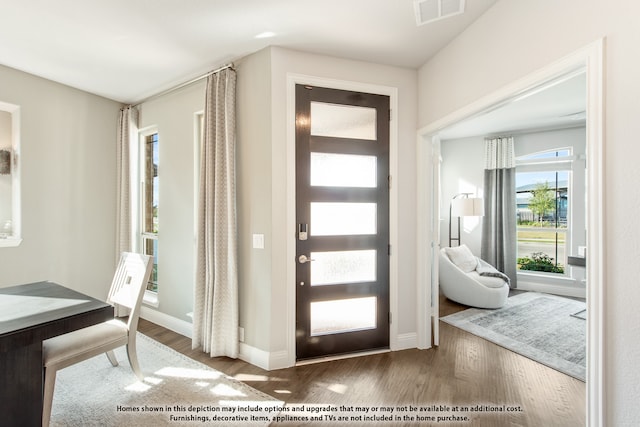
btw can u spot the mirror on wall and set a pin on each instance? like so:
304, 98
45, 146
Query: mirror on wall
10, 224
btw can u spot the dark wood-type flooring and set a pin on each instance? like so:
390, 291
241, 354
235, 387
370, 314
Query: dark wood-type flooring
463, 371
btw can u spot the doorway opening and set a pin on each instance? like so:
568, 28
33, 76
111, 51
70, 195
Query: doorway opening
589, 59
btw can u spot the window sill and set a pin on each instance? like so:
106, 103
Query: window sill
547, 278
10, 242
151, 299
565, 286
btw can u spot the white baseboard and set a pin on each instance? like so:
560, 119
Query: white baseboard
567, 291
279, 360
181, 327
406, 341
263, 359
254, 356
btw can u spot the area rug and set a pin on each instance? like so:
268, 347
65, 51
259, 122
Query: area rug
176, 391
538, 326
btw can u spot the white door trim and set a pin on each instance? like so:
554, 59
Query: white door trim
590, 57
292, 80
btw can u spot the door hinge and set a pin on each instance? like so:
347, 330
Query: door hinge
389, 180
389, 249
390, 318
389, 114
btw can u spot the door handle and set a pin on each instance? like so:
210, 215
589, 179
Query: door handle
303, 259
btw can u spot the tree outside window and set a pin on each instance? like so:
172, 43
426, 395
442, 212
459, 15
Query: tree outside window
542, 222
542, 201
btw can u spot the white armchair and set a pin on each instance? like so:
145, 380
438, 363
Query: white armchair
461, 282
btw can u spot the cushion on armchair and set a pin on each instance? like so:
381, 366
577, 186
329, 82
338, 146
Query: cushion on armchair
462, 257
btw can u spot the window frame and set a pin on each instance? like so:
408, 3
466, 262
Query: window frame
15, 238
535, 163
142, 236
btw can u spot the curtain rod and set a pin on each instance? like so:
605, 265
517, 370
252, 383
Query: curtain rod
181, 85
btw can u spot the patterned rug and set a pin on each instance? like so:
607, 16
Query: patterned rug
176, 390
542, 327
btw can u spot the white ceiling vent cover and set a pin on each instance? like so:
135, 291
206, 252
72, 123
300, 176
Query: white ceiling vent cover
434, 10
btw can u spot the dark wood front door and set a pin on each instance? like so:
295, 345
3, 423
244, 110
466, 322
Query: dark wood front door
342, 212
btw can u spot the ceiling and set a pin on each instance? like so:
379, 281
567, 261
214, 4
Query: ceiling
128, 50
559, 103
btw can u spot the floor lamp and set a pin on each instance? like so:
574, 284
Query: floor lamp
463, 205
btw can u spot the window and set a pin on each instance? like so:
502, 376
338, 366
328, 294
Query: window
543, 186
149, 208
10, 225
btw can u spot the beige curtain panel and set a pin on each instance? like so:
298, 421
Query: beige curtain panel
215, 326
127, 131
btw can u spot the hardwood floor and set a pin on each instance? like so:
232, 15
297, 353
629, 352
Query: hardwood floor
464, 371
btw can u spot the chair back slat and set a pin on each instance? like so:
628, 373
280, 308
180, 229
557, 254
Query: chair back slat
130, 280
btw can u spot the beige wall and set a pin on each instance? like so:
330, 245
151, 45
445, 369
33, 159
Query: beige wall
174, 118
262, 157
254, 196
405, 80
518, 37
68, 185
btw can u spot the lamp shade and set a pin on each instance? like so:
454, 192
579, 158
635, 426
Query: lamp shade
467, 207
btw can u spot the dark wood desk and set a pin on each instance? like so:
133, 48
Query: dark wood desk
30, 314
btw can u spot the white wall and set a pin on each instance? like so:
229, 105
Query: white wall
254, 193
174, 118
524, 36
462, 171
265, 319
68, 185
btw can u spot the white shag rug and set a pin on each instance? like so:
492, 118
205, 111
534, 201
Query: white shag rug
176, 391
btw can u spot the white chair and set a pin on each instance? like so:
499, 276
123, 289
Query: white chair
127, 290
461, 282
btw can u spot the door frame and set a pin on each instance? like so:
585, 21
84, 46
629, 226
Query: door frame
292, 80
591, 58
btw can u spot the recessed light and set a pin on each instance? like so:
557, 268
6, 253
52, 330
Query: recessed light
265, 35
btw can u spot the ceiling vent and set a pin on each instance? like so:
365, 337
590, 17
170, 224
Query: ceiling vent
434, 10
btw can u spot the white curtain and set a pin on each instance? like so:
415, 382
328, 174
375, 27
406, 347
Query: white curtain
127, 132
499, 239
215, 322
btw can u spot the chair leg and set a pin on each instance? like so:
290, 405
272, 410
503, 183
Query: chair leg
47, 398
112, 358
133, 359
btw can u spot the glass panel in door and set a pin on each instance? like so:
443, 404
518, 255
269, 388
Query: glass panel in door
343, 121
342, 219
343, 170
345, 315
